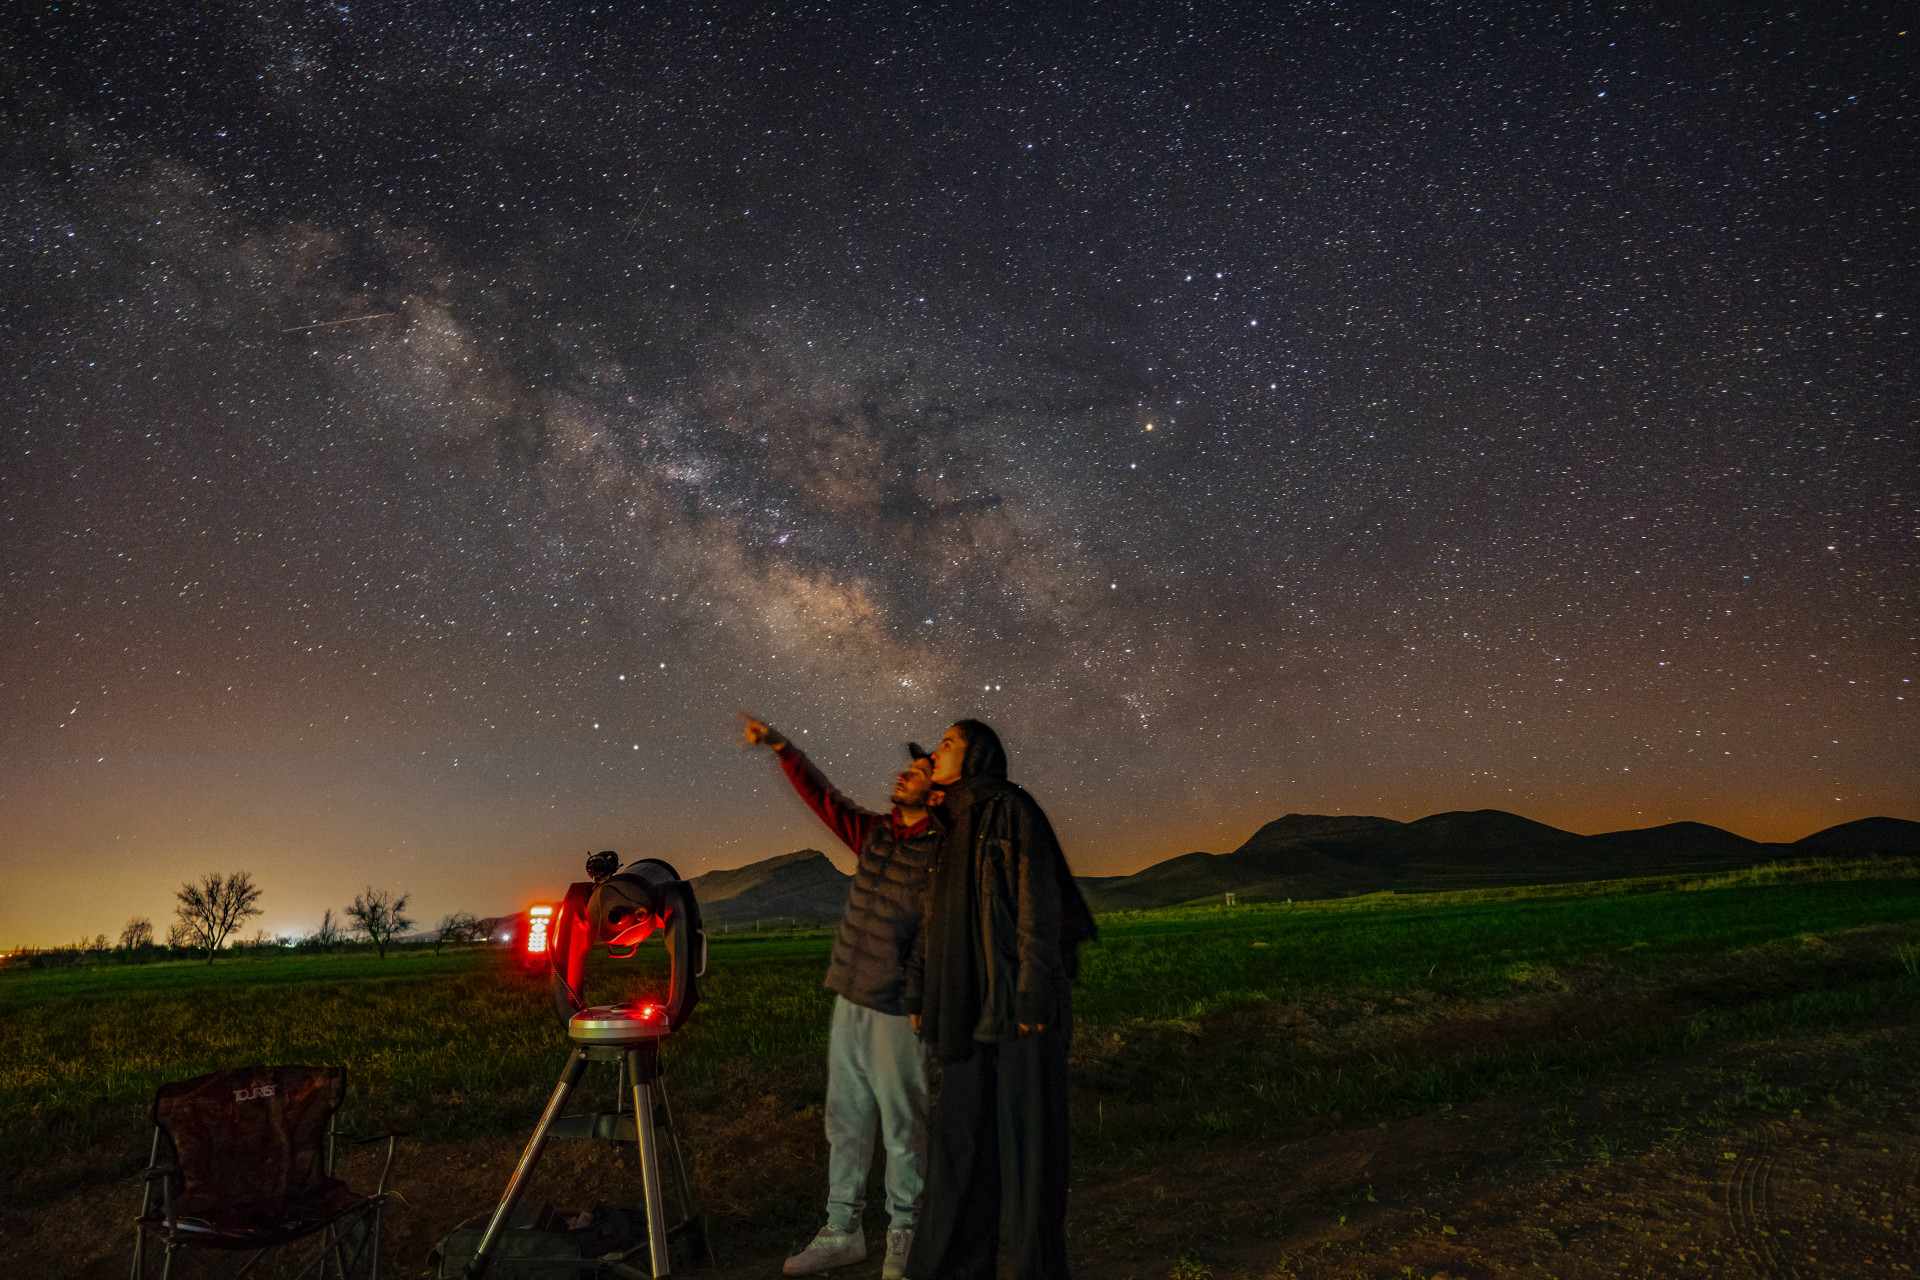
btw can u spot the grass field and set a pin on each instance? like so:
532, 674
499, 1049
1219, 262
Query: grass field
1193, 1026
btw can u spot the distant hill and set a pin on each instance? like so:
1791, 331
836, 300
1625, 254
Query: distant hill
802, 886
1313, 856
1864, 838
1679, 846
799, 888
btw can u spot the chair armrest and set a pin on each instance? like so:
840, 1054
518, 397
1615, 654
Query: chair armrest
389, 1137
164, 1175
362, 1139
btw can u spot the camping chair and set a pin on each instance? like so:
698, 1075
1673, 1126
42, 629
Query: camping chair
243, 1160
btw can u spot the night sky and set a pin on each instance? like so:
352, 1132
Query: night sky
1326, 408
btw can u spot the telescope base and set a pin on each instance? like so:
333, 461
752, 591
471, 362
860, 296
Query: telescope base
650, 1121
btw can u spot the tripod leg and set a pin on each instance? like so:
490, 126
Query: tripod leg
569, 1076
685, 1189
649, 1162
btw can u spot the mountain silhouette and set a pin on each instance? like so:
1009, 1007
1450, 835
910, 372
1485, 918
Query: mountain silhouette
1864, 838
1315, 856
803, 887
1307, 855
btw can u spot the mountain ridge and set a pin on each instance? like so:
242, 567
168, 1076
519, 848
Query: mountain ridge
803, 887
1320, 855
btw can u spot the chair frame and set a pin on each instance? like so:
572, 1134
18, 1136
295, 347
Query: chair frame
331, 1232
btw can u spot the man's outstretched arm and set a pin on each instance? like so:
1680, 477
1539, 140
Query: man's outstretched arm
843, 817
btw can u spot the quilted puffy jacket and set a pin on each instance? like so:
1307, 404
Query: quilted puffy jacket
882, 917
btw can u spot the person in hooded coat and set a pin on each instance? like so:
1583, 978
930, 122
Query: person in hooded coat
988, 982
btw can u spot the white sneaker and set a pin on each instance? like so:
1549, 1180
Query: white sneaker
898, 1242
831, 1248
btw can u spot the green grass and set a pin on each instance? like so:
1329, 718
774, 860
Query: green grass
1193, 1023
1187, 962
1235, 1020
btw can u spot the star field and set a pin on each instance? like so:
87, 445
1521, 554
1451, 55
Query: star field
424, 425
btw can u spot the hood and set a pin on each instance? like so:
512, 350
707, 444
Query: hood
985, 757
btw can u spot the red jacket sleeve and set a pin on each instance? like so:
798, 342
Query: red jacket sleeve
846, 819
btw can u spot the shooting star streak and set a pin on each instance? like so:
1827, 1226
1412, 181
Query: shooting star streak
321, 324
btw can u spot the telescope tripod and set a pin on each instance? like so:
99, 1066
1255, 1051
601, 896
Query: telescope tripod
646, 1125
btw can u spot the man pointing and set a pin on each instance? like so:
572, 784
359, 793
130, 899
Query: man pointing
876, 1069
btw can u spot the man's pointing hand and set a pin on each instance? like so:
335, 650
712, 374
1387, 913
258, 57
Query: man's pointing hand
759, 731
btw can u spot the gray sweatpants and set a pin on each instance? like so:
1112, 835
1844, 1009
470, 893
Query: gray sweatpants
876, 1077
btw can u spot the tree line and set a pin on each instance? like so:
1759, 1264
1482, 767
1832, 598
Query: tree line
209, 913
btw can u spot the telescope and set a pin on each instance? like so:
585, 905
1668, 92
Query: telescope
618, 909
622, 910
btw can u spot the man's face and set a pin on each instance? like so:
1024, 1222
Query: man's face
913, 785
948, 755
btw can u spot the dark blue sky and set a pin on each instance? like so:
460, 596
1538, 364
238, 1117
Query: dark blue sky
1320, 408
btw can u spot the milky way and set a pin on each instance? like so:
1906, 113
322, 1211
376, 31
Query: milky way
426, 424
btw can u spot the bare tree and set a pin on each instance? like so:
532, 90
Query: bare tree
137, 934
379, 915
329, 934
215, 907
181, 934
460, 926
